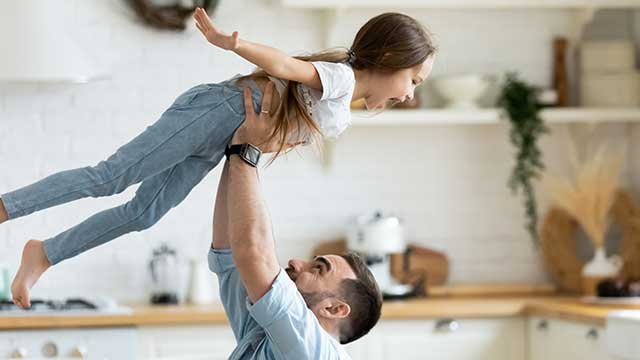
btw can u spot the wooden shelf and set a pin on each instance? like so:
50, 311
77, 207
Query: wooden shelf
491, 116
470, 4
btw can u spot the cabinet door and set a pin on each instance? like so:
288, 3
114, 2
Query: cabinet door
452, 339
565, 340
186, 342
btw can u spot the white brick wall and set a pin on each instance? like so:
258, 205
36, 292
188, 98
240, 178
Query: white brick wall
452, 194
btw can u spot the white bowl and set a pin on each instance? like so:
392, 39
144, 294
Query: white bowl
462, 91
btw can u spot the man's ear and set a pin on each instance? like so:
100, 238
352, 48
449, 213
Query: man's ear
334, 308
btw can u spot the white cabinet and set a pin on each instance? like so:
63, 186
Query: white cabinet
209, 342
511, 338
451, 339
564, 340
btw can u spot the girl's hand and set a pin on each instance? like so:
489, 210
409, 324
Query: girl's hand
212, 34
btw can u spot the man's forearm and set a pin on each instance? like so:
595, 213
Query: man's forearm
249, 220
251, 237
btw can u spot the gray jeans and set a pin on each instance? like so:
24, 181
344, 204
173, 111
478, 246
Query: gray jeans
170, 158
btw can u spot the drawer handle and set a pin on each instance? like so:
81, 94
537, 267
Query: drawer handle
543, 325
592, 334
447, 325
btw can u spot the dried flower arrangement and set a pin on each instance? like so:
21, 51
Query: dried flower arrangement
589, 196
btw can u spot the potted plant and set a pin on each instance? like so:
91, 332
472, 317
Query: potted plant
519, 102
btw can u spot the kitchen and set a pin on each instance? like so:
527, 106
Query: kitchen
498, 293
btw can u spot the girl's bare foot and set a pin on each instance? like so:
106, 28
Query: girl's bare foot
34, 262
3, 213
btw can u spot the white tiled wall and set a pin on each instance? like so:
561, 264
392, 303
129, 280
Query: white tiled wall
448, 182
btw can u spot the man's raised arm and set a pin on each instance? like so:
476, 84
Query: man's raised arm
251, 236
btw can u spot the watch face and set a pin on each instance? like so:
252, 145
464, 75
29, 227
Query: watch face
252, 154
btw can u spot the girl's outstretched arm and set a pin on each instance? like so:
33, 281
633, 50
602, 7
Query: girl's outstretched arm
275, 62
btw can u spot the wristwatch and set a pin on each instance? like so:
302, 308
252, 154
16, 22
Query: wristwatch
247, 152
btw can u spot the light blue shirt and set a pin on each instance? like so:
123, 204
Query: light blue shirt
278, 326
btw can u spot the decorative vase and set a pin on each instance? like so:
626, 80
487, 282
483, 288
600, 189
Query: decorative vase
599, 268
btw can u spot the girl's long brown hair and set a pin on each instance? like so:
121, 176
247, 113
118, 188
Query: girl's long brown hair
388, 42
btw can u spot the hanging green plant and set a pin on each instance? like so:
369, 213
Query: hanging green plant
519, 101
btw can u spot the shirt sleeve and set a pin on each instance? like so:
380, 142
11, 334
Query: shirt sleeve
337, 79
232, 292
292, 328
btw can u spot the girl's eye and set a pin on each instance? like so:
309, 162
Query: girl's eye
414, 82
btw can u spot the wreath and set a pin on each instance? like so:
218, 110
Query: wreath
170, 17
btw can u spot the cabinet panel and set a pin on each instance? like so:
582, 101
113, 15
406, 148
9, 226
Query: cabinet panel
460, 339
186, 342
564, 340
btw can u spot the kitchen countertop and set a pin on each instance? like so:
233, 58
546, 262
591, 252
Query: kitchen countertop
553, 307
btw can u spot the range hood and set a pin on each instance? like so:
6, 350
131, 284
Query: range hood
35, 46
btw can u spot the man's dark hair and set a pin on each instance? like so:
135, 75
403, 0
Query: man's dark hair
363, 296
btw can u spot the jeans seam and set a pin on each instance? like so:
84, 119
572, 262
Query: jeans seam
164, 183
124, 171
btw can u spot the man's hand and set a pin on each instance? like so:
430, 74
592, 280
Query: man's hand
257, 128
213, 34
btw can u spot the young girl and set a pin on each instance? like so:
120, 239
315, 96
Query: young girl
391, 55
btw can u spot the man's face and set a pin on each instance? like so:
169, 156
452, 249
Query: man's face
319, 278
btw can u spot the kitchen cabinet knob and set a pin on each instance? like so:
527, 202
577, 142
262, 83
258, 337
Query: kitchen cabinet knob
50, 350
592, 334
447, 325
80, 352
19, 353
543, 325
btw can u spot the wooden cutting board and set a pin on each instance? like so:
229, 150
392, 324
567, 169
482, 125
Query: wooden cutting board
427, 265
419, 261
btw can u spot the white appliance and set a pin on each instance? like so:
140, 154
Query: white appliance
376, 237
67, 307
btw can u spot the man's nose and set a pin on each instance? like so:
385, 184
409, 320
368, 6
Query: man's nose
295, 265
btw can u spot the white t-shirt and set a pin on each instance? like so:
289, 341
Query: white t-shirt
329, 107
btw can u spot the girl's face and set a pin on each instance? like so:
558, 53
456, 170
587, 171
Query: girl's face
397, 86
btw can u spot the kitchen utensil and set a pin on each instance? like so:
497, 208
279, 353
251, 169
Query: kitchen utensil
165, 274
376, 237
462, 91
376, 234
431, 265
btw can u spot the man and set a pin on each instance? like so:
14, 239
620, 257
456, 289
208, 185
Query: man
302, 312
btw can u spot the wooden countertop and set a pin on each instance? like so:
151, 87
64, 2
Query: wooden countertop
553, 307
